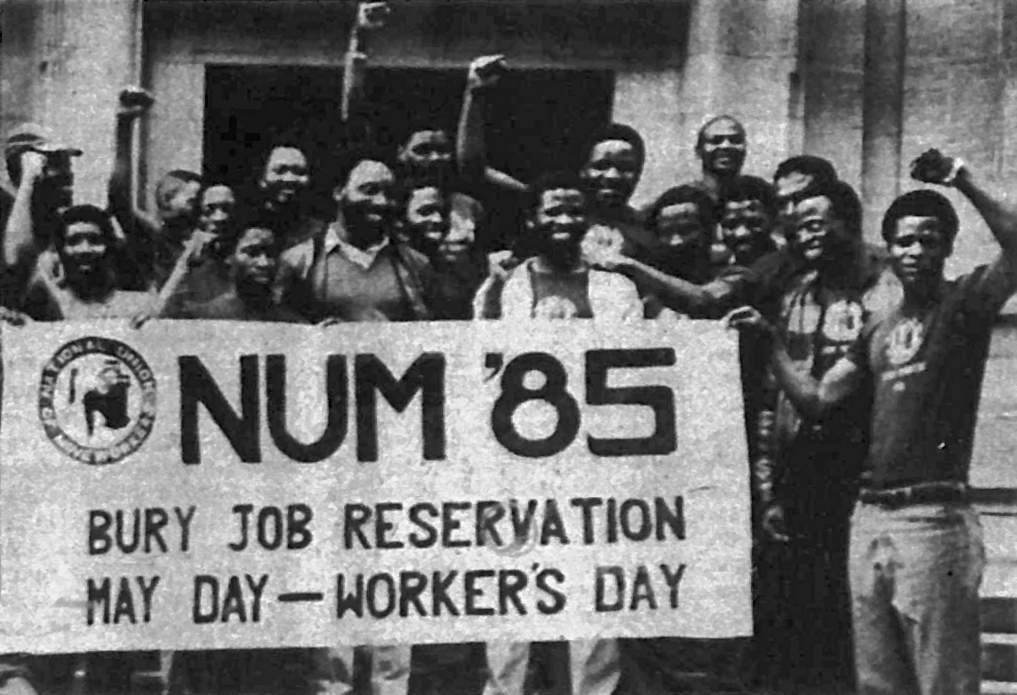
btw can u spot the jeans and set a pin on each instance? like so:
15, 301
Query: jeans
594, 667
915, 573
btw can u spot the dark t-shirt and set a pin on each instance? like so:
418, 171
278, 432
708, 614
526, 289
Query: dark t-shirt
927, 367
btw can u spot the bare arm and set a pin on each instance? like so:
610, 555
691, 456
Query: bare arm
134, 102
1002, 222
813, 398
709, 300
19, 243
933, 167
471, 140
370, 16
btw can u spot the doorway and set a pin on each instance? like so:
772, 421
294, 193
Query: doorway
538, 119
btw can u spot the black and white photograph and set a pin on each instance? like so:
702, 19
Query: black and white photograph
508, 347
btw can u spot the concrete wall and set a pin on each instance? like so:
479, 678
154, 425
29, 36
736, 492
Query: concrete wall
792, 70
62, 63
643, 43
958, 95
742, 61
675, 63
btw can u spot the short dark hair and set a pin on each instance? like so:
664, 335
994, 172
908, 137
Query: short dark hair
844, 203
618, 131
280, 143
554, 180
206, 185
750, 188
227, 243
351, 159
84, 213
821, 170
283, 143
429, 126
921, 203
701, 135
683, 194
431, 180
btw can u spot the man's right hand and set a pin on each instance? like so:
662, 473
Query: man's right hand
485, 72
134, 102
32, 165
774, 524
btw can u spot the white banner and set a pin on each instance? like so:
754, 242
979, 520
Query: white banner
216, 484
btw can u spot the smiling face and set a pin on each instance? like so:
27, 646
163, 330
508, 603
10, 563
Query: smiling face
611, 173
559, 224
367, 201
286, 176
918, 251
83, 253
722, 147
427, 153
427, 219
745, 227
820, 236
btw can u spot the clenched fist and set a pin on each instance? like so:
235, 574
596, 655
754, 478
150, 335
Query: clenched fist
932, 166
485, 72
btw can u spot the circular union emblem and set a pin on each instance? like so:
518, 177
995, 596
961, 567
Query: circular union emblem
904, 341
97, 400
843, 321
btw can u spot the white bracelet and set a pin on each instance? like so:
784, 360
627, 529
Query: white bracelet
958, 164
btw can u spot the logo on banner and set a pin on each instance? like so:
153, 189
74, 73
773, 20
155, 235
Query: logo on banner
97, 400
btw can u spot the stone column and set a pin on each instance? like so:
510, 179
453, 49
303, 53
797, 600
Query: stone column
62, 63
882, 108
741, 60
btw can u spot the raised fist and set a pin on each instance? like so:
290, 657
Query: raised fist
133, 102
372, 15
485, 72
32, 164
932, 166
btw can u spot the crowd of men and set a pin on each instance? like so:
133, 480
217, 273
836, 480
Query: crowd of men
861, 367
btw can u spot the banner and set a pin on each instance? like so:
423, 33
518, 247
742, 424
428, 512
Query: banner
193, 485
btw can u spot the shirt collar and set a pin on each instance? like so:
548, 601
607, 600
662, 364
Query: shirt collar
364, 258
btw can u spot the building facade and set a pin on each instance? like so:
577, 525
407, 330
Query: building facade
867, 83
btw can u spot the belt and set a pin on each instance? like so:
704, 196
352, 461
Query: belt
920, 493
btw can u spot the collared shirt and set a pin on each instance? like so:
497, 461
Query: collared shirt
329, 277
363, 258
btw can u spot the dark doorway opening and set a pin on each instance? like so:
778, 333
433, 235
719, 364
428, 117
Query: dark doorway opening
538, 119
